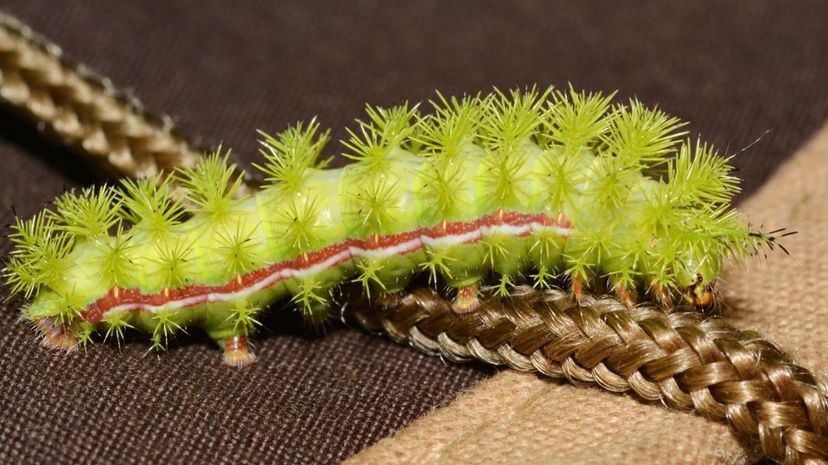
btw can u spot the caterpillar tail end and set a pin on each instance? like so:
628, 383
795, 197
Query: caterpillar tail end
56, 336
237, 352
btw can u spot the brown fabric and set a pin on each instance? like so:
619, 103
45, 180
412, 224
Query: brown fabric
734, 69
546, 422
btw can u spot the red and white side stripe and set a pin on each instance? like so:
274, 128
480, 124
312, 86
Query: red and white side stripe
446, 234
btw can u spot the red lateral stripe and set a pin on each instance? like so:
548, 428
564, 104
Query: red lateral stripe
121, 297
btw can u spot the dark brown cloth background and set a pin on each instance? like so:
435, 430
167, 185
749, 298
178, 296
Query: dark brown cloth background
735, 69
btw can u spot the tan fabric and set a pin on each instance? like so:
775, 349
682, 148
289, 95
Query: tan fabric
520, 418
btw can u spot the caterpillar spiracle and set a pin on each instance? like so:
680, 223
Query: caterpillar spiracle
515, 186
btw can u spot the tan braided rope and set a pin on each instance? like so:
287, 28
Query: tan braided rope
80, 109
681, 358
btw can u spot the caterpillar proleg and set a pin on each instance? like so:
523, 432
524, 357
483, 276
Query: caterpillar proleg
516, 186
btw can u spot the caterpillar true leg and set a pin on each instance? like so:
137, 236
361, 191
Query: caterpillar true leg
624, 296
577, 287
662, 295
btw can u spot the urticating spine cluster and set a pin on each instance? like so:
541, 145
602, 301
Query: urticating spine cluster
536, 185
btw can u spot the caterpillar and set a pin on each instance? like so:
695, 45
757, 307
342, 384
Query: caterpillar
539, 186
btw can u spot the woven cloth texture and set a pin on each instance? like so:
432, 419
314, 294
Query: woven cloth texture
554, 423
734, 69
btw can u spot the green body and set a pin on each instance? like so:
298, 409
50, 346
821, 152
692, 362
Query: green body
644, 212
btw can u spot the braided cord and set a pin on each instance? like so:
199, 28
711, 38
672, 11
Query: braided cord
76, 107
687, 360
680, 357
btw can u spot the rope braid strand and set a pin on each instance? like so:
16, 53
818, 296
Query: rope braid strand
682, 358
688, 361
76, 107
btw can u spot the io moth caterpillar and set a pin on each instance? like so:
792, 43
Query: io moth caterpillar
520, 185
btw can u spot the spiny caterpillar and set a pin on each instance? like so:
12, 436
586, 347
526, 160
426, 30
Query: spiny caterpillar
533, 185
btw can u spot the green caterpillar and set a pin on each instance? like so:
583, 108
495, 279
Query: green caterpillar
520, 185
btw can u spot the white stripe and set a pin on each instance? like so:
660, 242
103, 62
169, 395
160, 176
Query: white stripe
350, 253
397, 249
451, 239
321, 266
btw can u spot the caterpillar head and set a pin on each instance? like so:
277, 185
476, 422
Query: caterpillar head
701, 264
697, 281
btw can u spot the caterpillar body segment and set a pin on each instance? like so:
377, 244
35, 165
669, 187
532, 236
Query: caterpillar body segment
493, 189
